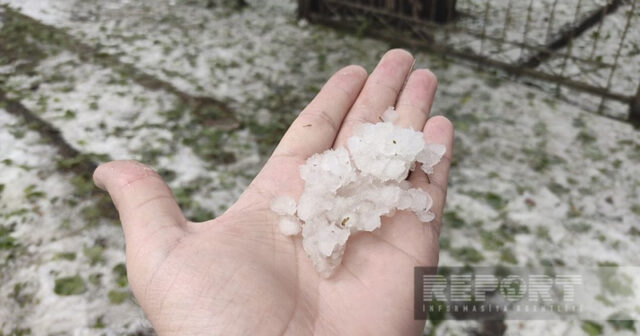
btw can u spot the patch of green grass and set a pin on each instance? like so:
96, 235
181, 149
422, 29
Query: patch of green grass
509, 229
495, 200
452, 219
604, 300
578, 123
167, 174
493, 175
592, 328
68, 114
18, 41
512, 287
20, 295
502, 271
540, 129
6, 240
65, 256
491, 241
83, 185
586, 137
17, 213
621, 321
558, 188
467, 254
101, 208
80, 160
508, 256
117, 297
91, 214
209, 143
437, 314
445, 243
94, 254
200, 214
31, 193
120, 275
542, 232
18, 332
612, 281
539, 160
99, 323
72, 285
95, 278
636, 209
579, 227
463, 121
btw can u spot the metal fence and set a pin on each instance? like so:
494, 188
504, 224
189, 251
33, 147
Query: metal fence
590, 47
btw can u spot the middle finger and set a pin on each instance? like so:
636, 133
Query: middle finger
380, 91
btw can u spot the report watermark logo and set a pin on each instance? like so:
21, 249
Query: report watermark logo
520, 293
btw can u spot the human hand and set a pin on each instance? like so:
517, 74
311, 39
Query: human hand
237, 275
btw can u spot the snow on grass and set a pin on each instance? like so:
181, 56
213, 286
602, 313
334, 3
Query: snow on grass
244, 57
536, 181
104, 113
50, 12
89, 104
56, 270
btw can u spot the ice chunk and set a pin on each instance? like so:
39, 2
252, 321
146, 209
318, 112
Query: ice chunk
348, 190
384, 151
328, 171
390, 115
430, 156
284, 205
289, 225
425, 216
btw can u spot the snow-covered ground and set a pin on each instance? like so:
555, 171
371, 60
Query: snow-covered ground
536, 181
58, 269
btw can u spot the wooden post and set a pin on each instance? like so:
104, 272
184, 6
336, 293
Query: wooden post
634, 109
303, 9
241, 4
441, 11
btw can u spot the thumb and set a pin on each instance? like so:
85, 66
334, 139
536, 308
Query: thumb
148, 211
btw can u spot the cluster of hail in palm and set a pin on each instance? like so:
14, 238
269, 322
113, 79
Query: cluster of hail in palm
347, 190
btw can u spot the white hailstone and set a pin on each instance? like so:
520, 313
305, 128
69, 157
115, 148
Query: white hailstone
348, 191
390, 115
430, 156
384, 150
284, 205
328, 171
289, 225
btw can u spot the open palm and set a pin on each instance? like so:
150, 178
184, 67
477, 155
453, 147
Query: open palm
237, 275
